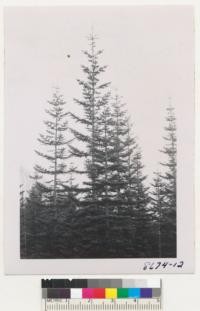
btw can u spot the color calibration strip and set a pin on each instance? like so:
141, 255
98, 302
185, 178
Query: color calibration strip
101, 289
101, 295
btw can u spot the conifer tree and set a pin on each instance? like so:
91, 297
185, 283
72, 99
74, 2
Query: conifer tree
169, 180
35, 193
55, 142
120, 154
31, 219
103, 155
90, 218
170, 152
92, 103
94, 218
140, 208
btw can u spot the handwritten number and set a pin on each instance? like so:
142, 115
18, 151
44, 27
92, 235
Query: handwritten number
164, 265
158, 264
180, 264
146, 265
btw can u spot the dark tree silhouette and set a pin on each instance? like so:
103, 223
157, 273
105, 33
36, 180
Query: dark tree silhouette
157, 221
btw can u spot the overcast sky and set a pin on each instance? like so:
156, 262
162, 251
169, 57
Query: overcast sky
148, 50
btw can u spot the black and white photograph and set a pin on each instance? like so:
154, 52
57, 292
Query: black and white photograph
99, 110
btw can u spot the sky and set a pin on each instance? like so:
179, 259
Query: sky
149, 51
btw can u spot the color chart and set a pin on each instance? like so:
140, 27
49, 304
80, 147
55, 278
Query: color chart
101, 294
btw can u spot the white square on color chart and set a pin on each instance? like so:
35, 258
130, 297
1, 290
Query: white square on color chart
154, 283
76, 293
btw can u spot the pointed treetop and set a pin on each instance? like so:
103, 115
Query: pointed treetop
92, 37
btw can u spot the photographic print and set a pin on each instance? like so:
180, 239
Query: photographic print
99, 134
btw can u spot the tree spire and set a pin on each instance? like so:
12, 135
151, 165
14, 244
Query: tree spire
55, 139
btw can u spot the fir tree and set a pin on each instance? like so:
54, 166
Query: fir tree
36, 191
169, 181
44, 230
120, 154
140, 208
103, 155
56, 154
170, 153
90, 218
92, 103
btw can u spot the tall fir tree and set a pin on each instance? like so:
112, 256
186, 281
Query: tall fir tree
90, 218
56, 155
92, 103
169, 180
170, 151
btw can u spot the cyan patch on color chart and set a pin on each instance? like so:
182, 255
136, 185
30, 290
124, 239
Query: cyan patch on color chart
134, 292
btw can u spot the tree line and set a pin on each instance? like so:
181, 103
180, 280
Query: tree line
110, 212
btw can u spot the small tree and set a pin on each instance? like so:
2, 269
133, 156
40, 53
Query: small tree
35, 193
